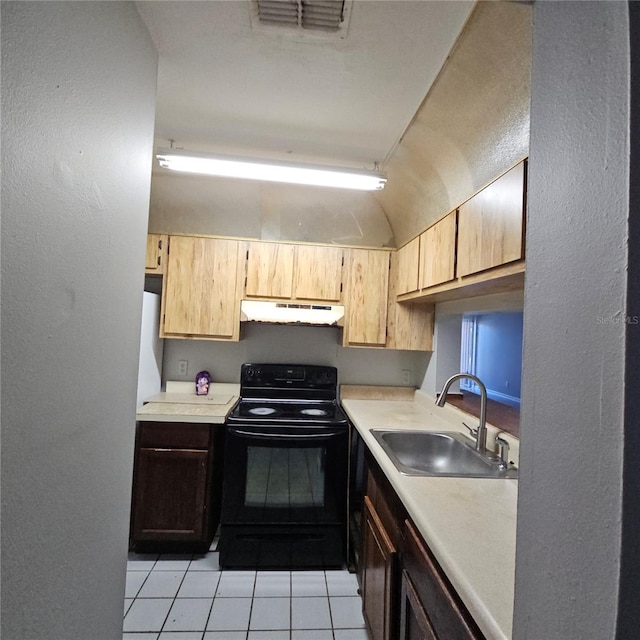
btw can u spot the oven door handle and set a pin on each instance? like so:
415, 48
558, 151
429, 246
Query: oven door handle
274, 434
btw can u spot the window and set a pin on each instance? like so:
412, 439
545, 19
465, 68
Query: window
491, 349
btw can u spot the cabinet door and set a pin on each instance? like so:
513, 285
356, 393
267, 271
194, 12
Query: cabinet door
438, 252
269, 270
200, 295
156, 253
408, 267
446, 613
490, 226
366, 298
379, 560
170, 495
414, 622
318, 273
409, 325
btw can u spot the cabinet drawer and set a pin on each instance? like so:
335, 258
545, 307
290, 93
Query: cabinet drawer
173, 435
447, 614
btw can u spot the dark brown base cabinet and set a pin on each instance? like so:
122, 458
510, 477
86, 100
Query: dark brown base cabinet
430, 608
176, 486
405, 594
380, 560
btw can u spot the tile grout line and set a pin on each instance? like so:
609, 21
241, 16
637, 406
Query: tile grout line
326, 583
253, 592
290, 605
202, 634
175, 597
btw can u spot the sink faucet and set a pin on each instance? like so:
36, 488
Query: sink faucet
481, 436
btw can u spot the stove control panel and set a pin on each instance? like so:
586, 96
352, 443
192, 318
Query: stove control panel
288, 376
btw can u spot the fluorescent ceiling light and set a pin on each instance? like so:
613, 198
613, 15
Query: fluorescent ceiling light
230, 167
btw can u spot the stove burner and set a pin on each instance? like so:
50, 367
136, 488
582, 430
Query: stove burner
262, 411
314, 412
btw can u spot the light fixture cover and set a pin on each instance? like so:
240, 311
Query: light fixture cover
253, 169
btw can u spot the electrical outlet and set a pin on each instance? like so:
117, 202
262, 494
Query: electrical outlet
405, 378
183, 367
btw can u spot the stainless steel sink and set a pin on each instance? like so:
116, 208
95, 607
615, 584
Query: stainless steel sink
442, 453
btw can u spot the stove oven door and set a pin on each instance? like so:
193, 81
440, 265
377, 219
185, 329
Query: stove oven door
285, 494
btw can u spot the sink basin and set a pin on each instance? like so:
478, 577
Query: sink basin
438, 453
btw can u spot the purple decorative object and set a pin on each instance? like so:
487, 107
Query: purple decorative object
203, 379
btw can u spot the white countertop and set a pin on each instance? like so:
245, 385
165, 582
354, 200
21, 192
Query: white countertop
179, 403
469, 523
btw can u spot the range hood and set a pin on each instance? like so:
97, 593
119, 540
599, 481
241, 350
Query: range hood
291, 313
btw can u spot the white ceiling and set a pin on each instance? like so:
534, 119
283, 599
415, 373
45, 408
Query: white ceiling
225, 87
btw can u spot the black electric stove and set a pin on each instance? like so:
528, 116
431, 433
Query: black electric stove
286, 469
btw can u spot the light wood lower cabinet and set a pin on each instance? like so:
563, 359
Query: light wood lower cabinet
201, 297
366, 295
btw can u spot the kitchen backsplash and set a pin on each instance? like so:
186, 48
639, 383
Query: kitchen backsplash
293, 344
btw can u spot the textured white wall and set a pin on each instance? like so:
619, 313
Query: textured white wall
78, 106
572, 426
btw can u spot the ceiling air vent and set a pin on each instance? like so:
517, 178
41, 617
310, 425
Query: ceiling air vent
326, 17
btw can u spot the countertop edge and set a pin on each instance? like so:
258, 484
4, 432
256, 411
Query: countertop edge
178, 412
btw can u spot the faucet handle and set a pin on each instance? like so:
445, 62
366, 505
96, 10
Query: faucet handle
503, 452
472, 431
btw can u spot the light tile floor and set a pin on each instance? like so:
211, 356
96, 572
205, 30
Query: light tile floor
171, 597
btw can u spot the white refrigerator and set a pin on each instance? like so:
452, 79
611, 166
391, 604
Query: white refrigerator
151, 348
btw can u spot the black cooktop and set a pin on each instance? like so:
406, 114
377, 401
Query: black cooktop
280, 411
283, 393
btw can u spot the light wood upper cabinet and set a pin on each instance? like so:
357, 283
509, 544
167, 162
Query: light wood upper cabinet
318, 273
408, 267
200, 294
366, 296
409, 325
490, 225
438, 252
156, 253
294, 272
269, 270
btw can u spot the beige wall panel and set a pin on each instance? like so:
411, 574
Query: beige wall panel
184, 204
472, 126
